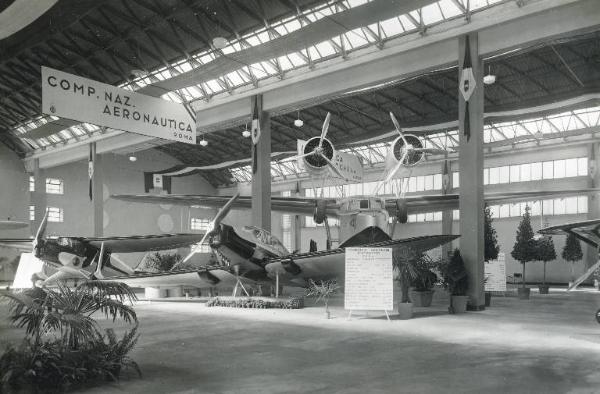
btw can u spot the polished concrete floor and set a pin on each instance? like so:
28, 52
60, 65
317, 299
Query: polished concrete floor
548, 344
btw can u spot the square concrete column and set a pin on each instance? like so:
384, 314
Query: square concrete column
261, 165
447, 216
97, 191
591, 254
38, 196
470, 119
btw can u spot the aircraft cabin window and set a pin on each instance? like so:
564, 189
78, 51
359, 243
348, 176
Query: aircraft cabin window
364, 204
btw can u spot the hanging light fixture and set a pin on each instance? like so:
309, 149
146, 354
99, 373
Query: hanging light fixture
246, 133
298, 122
489, 78
132, 158
219, 42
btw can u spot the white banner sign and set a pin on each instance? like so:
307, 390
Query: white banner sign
495, 272
369, 279
72, 97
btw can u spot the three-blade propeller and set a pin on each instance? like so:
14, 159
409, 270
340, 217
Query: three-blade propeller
319, 151
212, 226
39, 239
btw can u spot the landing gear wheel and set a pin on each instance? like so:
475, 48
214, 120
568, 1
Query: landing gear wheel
598, 316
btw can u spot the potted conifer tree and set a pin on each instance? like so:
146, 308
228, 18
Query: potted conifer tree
545, 252
422, 285
524, 249
572, 253
491, 248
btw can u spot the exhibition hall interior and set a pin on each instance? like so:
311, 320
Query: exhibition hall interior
299, 196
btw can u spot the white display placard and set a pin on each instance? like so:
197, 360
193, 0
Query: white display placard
495, 271
73, 97
28, 265
369, 279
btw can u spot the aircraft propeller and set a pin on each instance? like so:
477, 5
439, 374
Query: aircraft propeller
212, 226
39, 239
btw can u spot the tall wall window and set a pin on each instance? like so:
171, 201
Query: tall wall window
55, 214
31, 183
552, 169
32, 212
310, 222
551, 207
54, 186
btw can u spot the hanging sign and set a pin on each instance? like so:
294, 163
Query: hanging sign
369, 279
73, 97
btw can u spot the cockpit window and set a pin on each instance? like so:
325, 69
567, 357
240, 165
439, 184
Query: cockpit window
364, 204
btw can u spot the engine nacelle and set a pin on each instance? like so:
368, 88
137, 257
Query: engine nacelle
398, 149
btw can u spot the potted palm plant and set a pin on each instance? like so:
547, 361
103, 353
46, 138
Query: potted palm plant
404, 261
423, 282
457, 283
524, 249
322, 290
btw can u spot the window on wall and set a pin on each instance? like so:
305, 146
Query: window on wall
425, 217
197, 224
55, 214
31, 183
553, 169
54, 186
455, 179
32, 212
557, 206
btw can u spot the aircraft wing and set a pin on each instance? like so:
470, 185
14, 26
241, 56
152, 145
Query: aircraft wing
207, 277
587, 231
300, 205
142, 243
440, 202
12, 225
21, 244
328, 264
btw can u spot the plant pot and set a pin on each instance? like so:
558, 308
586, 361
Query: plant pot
421, 298
488, 299
543, 289
405, 310
523, 293
459, 304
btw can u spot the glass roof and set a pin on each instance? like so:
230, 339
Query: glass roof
374, 34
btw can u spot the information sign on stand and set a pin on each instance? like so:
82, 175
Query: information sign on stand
495, 272
369, 280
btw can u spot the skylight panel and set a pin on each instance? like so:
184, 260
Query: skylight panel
285, 63
449, 9
314, 53
391, 27
357, 38
54, 138
326, 49
281, 29
269, 68
77, 130
66, 134
253, 40
311, 17
476, 4
43, 142
258, 70
431, 14
355, 3
228, 49
206, 57
214, 85
407, 23
263, 36
293, 25
235, 78
296, 59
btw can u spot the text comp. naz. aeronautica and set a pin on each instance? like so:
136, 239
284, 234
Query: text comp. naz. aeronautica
122, 106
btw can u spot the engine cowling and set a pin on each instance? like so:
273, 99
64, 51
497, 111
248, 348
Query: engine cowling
399, 148
316, 162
